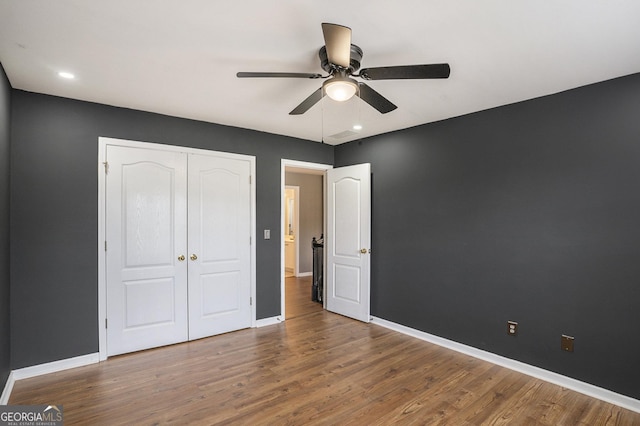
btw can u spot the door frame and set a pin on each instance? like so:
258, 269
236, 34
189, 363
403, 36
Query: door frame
286, 163
103, 143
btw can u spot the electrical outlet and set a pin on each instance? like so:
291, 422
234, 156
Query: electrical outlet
566, 343
512, 328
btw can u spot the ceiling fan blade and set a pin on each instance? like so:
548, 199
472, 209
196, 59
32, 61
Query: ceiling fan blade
337, 39
375, 99
277, 74
406, 72
307, 103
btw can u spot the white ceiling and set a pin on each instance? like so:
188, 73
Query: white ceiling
180, 58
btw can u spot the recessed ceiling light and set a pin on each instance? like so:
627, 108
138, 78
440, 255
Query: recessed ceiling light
66, 75
357, 127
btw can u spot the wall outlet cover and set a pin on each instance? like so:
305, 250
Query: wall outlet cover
567, 343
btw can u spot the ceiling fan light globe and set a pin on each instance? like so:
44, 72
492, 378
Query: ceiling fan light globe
340, 89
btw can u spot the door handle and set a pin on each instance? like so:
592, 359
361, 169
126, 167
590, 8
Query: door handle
193, 257
363, 250
181, 258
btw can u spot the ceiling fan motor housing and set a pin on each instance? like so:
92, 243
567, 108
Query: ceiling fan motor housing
354, 63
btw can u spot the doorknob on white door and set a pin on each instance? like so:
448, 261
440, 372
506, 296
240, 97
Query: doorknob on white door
181, 258
193, 257
363, 250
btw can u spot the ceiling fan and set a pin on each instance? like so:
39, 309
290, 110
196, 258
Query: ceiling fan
341, 59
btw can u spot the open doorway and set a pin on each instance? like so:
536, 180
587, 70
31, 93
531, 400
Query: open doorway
299, 227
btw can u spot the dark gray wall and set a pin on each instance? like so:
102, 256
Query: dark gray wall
311, 214
54, 212
5, 137
527, 212
530, 213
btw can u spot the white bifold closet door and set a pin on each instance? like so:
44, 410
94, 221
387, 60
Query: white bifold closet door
178, 247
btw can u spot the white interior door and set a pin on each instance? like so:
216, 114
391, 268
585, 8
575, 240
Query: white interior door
219, 245
348, 241
146, 193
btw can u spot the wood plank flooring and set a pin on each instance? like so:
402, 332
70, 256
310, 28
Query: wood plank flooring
298, 298
315, 368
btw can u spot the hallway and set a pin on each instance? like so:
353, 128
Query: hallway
298, 297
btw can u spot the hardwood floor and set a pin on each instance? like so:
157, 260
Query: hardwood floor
315, 368
298, 298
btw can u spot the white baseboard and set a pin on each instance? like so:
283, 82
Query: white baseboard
305, 274
50, 367
8, 387
55, 366
268, 321
539, 373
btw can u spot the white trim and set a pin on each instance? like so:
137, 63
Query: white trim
103, 142
55, 366
284, 163
304, 274
102, 284
264, 322
8, 387
50, 367
530, 370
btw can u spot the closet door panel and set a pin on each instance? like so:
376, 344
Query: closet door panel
146, 226
219, 245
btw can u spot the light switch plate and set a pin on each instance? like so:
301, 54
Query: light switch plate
267, 234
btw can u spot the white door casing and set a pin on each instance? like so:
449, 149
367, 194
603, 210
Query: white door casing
219, 245
348, 241
146, 213
304, 167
